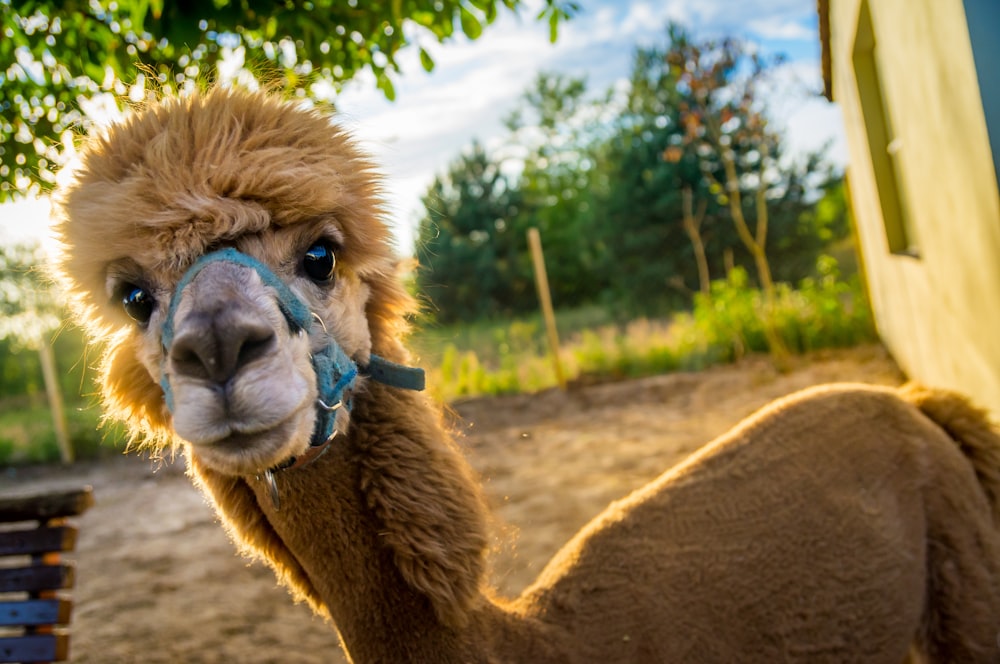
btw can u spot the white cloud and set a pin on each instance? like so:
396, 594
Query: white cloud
780, 28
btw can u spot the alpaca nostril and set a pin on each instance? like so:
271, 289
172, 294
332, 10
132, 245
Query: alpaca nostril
216, 348
191, 359
256, 343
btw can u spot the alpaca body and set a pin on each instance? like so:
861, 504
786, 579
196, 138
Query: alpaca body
813, 552
842, 524
832, 537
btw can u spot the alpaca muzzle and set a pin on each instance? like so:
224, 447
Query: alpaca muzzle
219, 356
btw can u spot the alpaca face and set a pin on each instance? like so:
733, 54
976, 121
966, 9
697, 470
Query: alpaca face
280, 184
240, 377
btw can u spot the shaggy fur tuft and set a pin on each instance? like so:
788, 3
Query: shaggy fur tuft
188, 175
845, 523
433, 521
970, 427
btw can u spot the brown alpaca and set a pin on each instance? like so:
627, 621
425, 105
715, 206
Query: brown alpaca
843, 524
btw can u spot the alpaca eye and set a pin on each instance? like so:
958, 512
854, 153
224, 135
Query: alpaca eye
138, 303
319, 262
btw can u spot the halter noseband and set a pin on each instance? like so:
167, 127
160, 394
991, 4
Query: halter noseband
336, 373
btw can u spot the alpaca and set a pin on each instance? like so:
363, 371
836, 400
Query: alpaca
228, 249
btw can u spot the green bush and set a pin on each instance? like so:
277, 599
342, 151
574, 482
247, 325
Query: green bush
824, 311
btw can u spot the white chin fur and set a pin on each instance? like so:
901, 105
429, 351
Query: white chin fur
265, 415
248, 454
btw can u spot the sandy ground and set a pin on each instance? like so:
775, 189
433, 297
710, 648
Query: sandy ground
158, 581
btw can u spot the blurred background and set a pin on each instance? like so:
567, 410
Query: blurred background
683, 164
611, 127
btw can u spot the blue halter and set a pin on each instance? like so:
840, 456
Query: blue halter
336, 373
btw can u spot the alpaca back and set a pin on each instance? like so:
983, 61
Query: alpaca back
842, 523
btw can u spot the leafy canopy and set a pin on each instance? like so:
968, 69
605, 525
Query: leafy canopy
58, 54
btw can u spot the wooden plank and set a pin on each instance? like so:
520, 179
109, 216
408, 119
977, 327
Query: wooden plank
32, 612
42, 507
35, 648
36, 578
37, 540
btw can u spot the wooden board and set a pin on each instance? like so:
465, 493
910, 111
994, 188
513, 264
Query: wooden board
46, 506
36, 578
35, 648
29, 541
35, 612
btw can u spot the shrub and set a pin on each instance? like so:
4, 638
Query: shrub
822, 312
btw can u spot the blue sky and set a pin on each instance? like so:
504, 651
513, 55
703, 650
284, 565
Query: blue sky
475, 84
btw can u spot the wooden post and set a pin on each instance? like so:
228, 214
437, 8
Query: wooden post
545, 297
55, 400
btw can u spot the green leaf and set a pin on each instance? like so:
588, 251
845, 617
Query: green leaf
138, 14
426, 60
385, 85
470, 24
423, 18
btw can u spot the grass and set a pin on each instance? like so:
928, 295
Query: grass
27, 434
825, 311
508, 356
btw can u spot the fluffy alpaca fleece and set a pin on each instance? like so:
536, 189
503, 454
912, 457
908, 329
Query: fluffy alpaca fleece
846, 523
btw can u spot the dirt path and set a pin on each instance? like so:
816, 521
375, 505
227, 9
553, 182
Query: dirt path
158, 582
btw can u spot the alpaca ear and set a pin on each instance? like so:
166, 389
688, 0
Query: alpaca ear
432, 518
236, 505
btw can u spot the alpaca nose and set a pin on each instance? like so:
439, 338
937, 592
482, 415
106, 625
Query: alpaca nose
217, 345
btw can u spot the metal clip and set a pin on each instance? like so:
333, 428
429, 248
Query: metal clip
332, 408
320, 321
272, 485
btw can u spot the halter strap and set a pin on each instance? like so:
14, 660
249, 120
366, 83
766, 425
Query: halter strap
336, 373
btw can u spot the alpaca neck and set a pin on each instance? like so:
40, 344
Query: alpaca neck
331, 525
379, 616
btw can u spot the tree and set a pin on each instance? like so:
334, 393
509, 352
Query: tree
692, 226
726, 129
473, 263
633, 209
472, 242
658, 246
556, 132
28, 316
725, 124
62, 53
668, 215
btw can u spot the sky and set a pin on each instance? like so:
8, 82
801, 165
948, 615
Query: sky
474, 85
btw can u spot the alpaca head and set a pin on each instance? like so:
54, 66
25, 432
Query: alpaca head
227, 249
286, 189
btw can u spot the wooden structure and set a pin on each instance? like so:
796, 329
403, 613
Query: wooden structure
920, 99
34, 608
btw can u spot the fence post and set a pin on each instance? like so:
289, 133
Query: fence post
545, 297
54, 394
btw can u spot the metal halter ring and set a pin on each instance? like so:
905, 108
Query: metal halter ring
272, 485
332, 408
